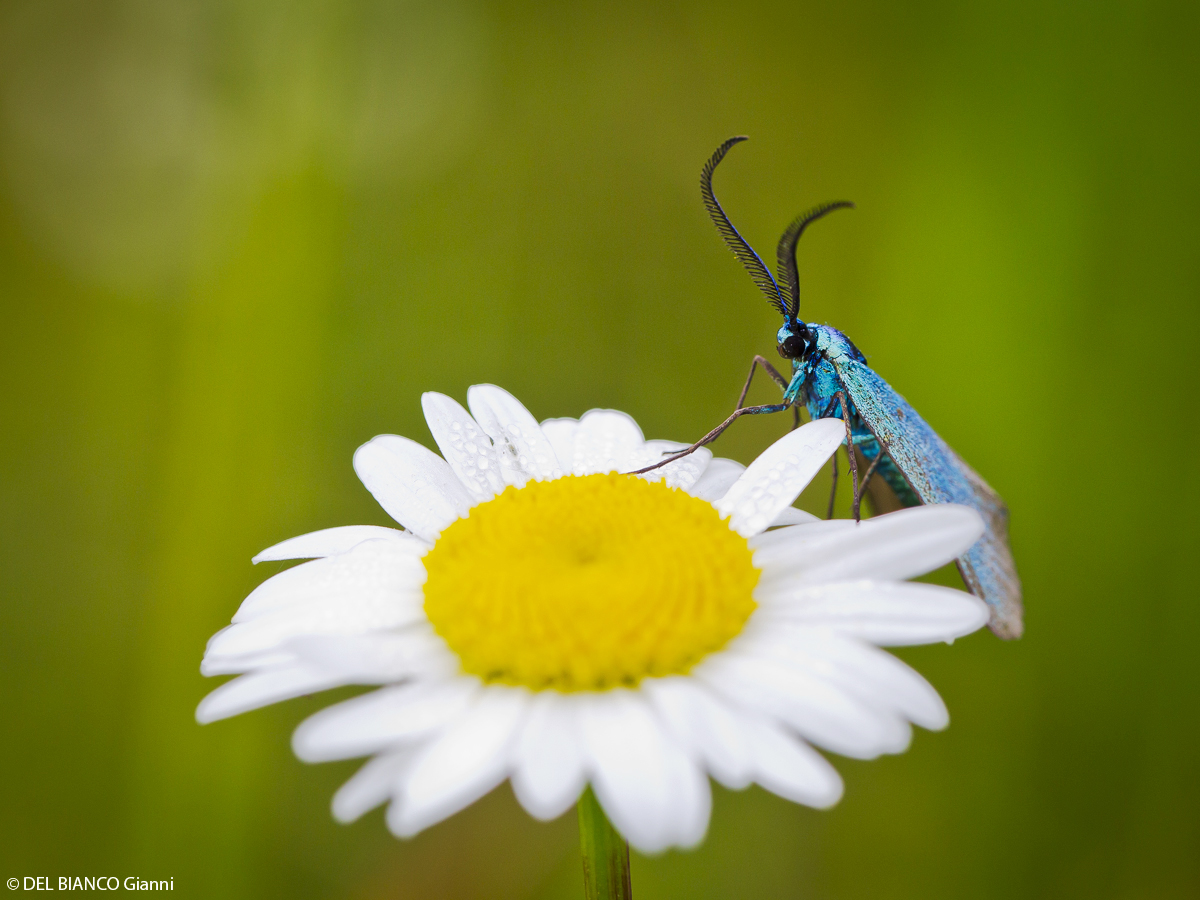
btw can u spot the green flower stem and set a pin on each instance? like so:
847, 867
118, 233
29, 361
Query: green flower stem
605, 854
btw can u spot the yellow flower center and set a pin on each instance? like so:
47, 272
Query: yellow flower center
585, 583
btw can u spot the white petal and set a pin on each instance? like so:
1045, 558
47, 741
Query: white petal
820, 711
382, 719
888, 613
414, 485
381, 569
789, 515
331, 541
236, 665
461, 764
778, 476
378, 658
607, 441
464, 445
895, 546
718, 478
262, 688
342, 613
652, 792
780, 546
548, 766
786, 766
372, 785
682, 473
561, 435
876, 678
695, 805
375, 585
242, 644
524, 451
703, 725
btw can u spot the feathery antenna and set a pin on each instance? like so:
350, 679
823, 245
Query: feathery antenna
743, 251
786, 253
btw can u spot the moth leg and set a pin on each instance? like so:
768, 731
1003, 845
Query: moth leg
716, 432
862, 488
775, 376
841, 399
771, 370
833, 485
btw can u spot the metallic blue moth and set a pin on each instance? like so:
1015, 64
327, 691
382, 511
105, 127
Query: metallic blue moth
830, 377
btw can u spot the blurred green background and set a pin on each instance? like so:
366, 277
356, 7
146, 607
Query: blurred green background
237, 240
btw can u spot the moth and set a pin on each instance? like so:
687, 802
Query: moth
831, 378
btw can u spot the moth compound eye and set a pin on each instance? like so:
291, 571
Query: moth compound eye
794, 346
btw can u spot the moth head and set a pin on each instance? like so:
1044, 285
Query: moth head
795, 340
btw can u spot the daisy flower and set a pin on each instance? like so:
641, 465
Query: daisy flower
543, 618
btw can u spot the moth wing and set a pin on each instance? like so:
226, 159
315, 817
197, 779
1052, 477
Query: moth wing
938, 475
988, 567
